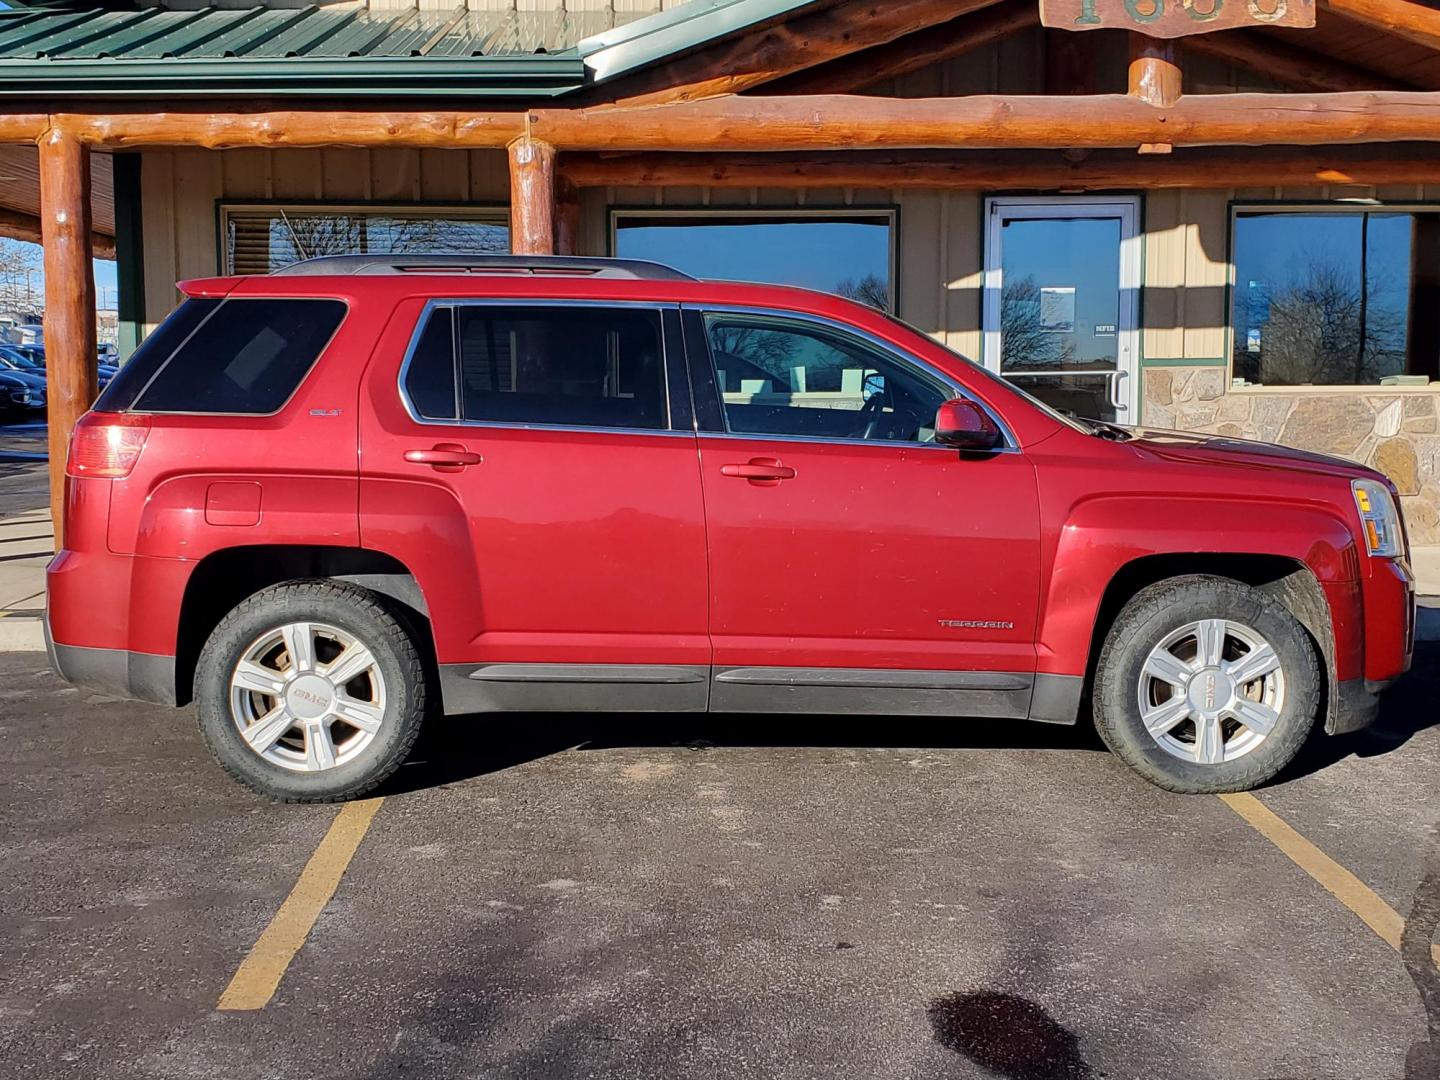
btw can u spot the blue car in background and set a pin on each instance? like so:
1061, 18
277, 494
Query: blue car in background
30, 359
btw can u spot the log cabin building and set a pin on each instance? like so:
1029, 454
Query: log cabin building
1214, 215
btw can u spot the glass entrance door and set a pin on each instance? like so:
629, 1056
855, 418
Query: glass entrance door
1062, 278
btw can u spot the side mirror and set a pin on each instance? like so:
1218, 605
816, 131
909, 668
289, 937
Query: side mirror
964, 425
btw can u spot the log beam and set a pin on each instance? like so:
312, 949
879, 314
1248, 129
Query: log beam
17, 225
532, 197
221, 129
1413, 22
996, 122
771, 124
913, 52
1046, 171
783, 48
1283, 63
70, 344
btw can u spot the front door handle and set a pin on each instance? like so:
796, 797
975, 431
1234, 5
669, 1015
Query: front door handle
762, 471
444, 457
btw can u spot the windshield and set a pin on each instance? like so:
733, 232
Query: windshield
1079, 423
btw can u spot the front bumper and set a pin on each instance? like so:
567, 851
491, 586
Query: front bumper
1356, 705
142, 676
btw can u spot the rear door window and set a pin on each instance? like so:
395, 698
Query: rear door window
581, 366
246, 357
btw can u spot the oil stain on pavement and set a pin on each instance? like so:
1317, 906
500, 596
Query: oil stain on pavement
1008, 1035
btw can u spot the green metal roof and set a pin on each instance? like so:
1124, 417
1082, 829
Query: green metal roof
294, 51
313, 52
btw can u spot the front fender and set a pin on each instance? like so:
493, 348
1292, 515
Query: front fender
1104, 534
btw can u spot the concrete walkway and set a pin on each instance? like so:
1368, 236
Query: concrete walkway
26, 543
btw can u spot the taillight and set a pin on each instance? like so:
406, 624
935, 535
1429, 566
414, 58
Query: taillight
107, 444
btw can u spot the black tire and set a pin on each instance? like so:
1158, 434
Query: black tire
357, 612
1145, 622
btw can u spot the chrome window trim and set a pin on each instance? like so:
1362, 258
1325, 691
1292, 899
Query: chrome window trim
1012, 444
422, 321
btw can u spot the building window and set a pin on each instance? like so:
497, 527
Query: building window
1336, 296
262, 238
849, 252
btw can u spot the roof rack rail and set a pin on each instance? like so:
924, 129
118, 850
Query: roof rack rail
498, 265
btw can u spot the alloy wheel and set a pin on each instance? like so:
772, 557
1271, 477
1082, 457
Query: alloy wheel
307, 696
1211, 691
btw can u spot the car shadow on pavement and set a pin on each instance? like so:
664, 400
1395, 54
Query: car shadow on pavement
1409, 707
460, 748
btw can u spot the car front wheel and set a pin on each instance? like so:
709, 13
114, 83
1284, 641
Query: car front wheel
1205, 685
310, 691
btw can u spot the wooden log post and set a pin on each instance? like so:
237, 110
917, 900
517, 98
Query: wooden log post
1154, 78
532, 197
567, 217
70, 345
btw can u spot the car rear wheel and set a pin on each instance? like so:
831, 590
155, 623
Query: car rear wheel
310, 691
1205, 684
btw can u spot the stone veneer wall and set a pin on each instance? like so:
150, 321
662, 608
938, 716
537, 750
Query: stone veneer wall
1395, 433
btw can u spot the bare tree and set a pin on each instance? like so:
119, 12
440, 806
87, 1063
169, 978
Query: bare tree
870, 289
1323, 329
21, 277
1024, 343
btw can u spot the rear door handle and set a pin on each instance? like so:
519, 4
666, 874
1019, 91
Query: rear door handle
444, 457
760, 470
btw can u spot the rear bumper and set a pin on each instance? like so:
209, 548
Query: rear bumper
143, 676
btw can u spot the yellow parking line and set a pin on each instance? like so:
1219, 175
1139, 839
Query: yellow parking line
255, 981
1345, 886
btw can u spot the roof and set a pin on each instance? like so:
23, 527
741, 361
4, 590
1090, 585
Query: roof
294, 51
315, 52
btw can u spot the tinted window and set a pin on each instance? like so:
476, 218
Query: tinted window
248, 357
778, 377
1336, 298
152, 353
590, 367
430, 378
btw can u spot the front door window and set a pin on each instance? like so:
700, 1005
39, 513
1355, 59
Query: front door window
779, 376
1060, 290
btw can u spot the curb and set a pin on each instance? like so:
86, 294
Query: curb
28, 635
1427, 618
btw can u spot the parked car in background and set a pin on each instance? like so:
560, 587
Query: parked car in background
22, 395
332, 501
30, 358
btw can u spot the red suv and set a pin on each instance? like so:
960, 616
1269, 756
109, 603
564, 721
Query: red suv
328, 503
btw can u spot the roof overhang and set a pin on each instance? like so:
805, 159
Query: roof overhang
677, 30
520, 77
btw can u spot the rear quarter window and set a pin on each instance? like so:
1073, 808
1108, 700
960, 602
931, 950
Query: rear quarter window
241, 356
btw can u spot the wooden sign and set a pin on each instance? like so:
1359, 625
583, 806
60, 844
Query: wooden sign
1174, 18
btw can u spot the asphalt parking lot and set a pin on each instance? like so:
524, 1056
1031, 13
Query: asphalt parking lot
566, 896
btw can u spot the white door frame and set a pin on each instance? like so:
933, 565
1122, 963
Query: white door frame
1125, 387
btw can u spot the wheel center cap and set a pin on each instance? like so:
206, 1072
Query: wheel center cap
1209, 690
309, 696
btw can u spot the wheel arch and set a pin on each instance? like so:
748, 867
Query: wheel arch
224, 578
1288, 580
